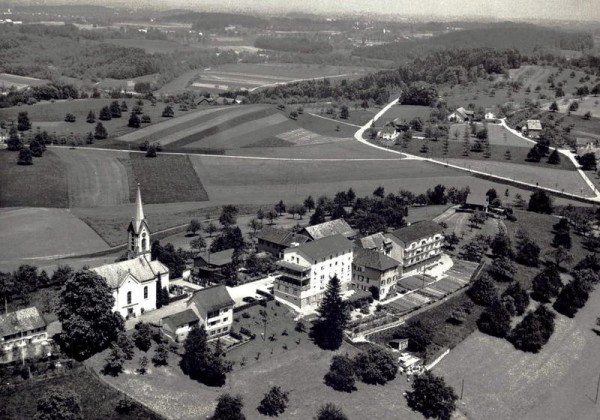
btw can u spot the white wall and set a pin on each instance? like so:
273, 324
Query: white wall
137, 297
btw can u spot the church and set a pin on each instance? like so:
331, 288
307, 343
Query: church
135, 281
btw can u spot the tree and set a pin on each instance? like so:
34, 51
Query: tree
519, 297
341, 375
125, 344
161, 355
115, 109
14, 142
173, 258
113, 363
25, 157
100, 132
274, 402
280, 207
540, 202
85, 310
554, 107
210, 229
494, 320
70, 118
333, 317
474, 250
228, 215
431, 397
534, 154
229, 238
229, 407
587, 115
477, 218
573, 297
317, 217
533, 331
375, 366
142, 336
200, 363
134, 121
309, 203
168, 112
330, 411
418, 334
587, 161
23, 123
344, 113
194, 226
560, 255
58, 404
501, 245
91, 117
151, 151
294, 115
105, 114
546, 284
379, 192
554, 157
198, 243
528, 252
146, 119
142, 365
503, 269
562, 238
89, 138
483, 291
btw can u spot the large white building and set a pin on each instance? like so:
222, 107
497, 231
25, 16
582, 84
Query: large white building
134, 281
417, 246
214, 308
306, 269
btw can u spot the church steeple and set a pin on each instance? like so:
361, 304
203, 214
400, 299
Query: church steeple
138, 232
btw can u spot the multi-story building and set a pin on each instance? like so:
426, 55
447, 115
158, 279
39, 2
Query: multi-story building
306, 269
274, 240
417, 246
214, 308
22, 328
374, 272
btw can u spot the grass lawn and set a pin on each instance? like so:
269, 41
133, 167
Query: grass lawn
404, 112
299, 370
97, 400
44, 184
166, 179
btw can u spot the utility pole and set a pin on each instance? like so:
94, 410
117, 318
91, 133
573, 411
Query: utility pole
597, 389
462, 388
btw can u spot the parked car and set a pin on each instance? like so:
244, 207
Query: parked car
249, 299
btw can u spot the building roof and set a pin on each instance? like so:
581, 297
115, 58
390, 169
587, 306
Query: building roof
534, 125
211, 298
140, 268
22, 320
333, 227
464, 113
218, 259
388, 129
324, 247
179, 319
292, 266
374, 241
416, 231
477, 199
375, 260
281, 236
138, 218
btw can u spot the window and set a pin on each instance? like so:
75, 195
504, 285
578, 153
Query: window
144, 243
225, 319
212, 314
145, 292
129, 298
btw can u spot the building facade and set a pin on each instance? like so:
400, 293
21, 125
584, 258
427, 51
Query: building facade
306, 270
417, 246
375, 272
22, 328
214, 308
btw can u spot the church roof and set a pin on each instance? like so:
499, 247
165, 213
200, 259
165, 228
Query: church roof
139, 218
140, 268
21, 321
211, 298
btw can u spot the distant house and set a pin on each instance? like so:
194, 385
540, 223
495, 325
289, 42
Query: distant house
214, 309
489, 115
461, 115
224, 101
477, 201
375, 242
206, 101
372, 269
533, 128
400, 124
333, 227
22, 328
210, 266
177, 326
417, 246
388, 133
241, 99
274, 240
306, 269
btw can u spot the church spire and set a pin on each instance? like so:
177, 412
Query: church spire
139, 209
138, 231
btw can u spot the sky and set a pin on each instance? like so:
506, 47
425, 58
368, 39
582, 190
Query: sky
500, 9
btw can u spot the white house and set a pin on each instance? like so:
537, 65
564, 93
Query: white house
134, 281
417, 246
177, 326
214, 308
461, 115
306, 269
22, 328
388, 132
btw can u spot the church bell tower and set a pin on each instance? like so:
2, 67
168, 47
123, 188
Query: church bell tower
138, 233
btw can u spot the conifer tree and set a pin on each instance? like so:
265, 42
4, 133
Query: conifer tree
333, 317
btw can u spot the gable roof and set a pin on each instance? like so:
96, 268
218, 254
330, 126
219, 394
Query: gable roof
374, 241
140, 268
218, 259
211, 298
534, 125
375, 260
417, 231
477, 199
463, 112
333, 227
22, 320
324, 247
179, 319
280, 236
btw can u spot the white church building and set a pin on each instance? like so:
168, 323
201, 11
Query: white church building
134, 281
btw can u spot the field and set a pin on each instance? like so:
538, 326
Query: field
497, 134
501, 382
174, 395
97, 399
405, 113
42, 185
8, 81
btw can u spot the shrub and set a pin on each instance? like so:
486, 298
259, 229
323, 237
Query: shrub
375, 366
124, 405
533, 331
341, 375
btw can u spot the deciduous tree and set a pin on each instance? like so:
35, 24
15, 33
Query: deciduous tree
58, 404
431, 397
274, 402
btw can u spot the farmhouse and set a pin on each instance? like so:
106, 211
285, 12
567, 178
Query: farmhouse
331, 228
210, 266
375, 272
306, 269
134, 282
489, 114
274, 240
22, 328
477, 201
388, 133
417, 246
214, 308
177, 326
533, 128
461, 115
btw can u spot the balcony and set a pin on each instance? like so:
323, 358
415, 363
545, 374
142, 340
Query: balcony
301, 284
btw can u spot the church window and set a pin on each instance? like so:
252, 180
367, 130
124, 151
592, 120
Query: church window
129, 298
143, 243
145, 292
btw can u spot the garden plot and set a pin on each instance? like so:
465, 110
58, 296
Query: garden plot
302, 137
403, 305
411, 283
